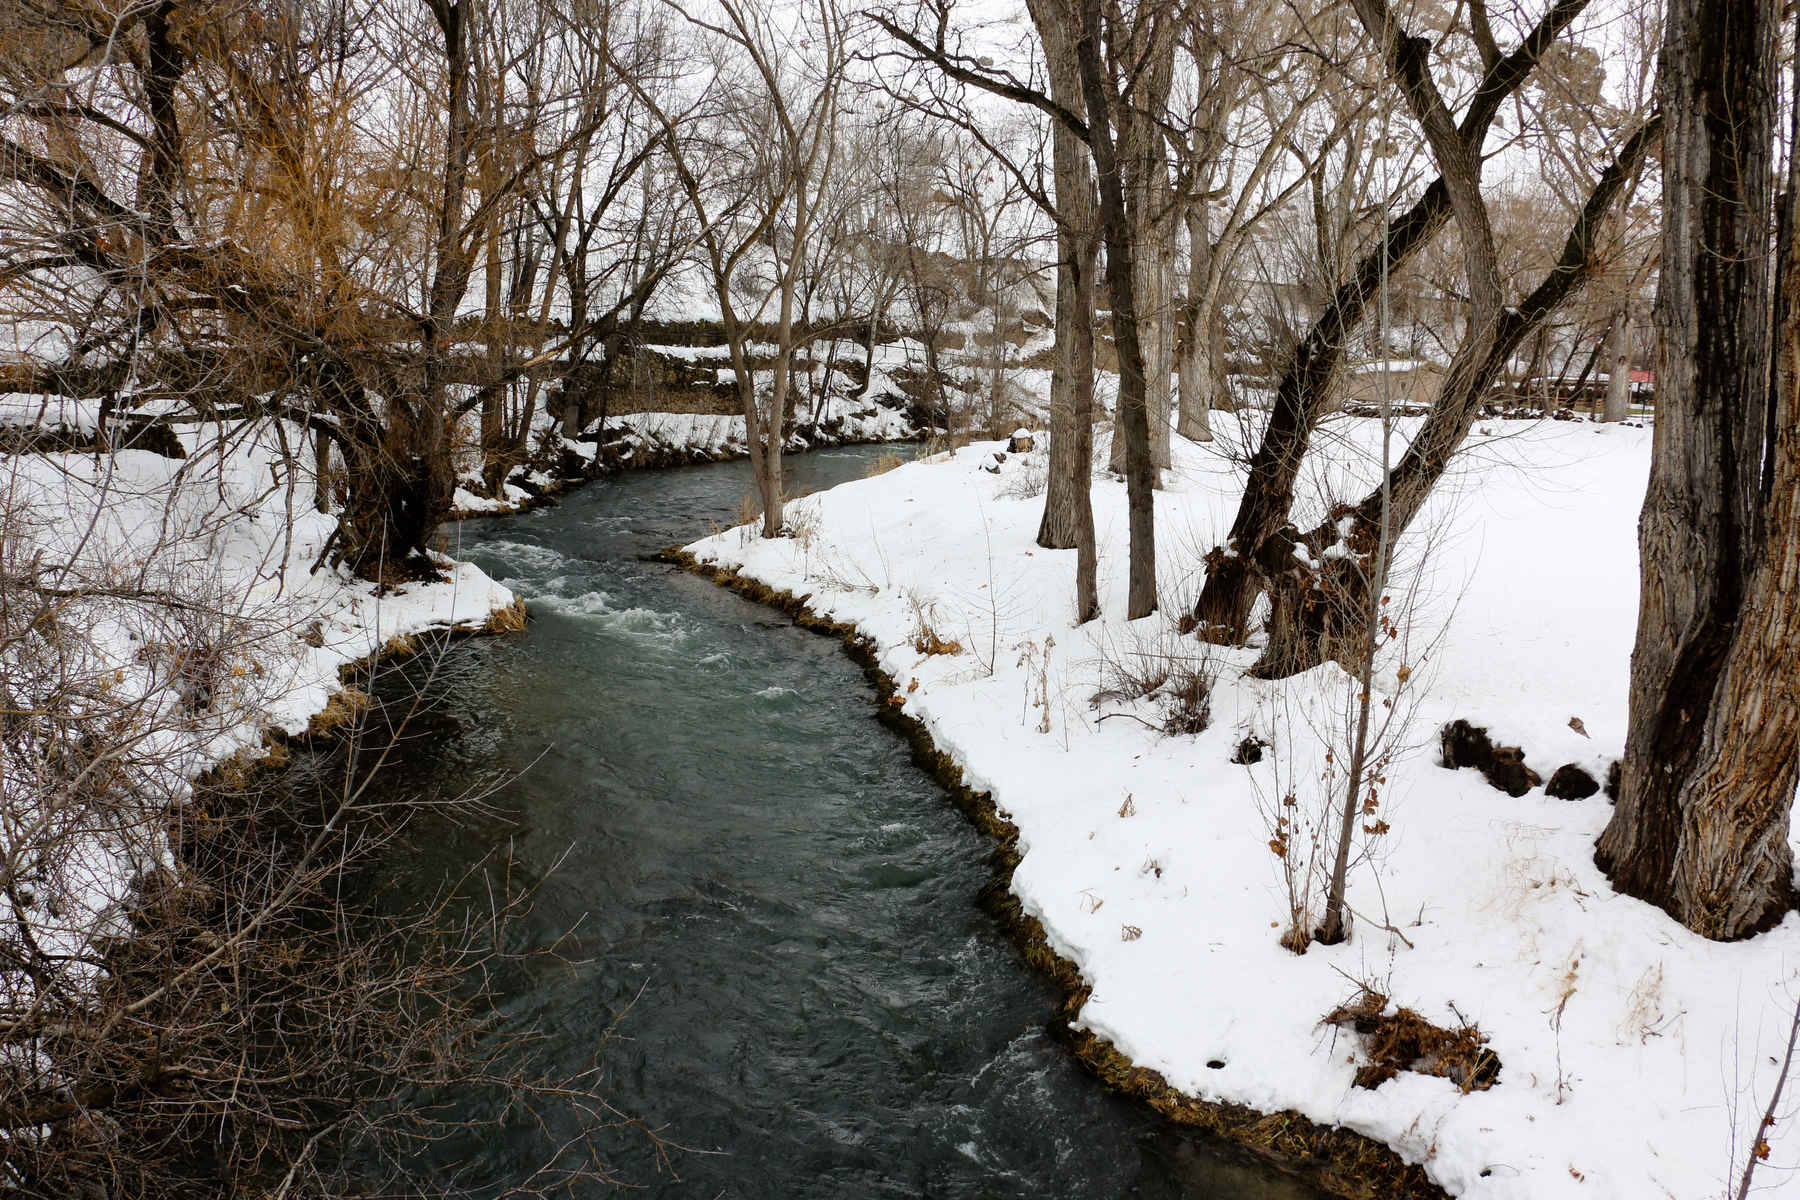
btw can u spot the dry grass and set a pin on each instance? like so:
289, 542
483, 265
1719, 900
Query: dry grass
926, 639
510, 619
1402, 1040
345, 706
881, 466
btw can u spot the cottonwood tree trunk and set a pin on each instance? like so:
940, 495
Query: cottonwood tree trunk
1115, 224
1618, 384
1068, 520
1701, 825
1222, 613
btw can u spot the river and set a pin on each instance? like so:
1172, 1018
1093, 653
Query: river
774, 905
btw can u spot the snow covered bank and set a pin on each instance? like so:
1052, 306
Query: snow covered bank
659, 438
1634, 1057
163, 616
667, 439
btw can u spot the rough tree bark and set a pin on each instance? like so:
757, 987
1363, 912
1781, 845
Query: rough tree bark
1707, 785
1115, 224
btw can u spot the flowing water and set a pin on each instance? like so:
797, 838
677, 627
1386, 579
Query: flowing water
774, 911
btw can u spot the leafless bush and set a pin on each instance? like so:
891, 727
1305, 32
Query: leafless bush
1174, 674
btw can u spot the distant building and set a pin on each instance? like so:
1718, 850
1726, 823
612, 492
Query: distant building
1406, 381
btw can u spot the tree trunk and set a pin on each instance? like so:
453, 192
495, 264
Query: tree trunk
1133, 419
1202, 374
1700, 829
1071, 390
1149, 209
166, 62
1223, 610
494, 466
324, 497
1618, 384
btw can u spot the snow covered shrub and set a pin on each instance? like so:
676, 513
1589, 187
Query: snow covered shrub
1028, 478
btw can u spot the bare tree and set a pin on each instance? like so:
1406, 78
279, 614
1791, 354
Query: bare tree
1141, 42
317, 221
1246, 103
779, 117
1302, 632
1071, 204
1099, 57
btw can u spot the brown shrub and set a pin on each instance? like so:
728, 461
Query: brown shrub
883, 465
1402, 1040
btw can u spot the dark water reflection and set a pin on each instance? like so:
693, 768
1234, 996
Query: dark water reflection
780, 905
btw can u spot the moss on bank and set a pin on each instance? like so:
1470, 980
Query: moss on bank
1339, 1161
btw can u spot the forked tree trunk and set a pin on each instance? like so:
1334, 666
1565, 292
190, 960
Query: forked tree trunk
1701, 826
1134, 425
1222, 612
1318, 612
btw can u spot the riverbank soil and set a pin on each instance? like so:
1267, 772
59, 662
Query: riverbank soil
1613, 1053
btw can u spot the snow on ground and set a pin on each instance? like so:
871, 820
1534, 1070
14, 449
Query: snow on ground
188, 615
29, 410
1632, 1051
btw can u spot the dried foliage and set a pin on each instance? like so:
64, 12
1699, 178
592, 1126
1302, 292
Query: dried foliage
1402, 1040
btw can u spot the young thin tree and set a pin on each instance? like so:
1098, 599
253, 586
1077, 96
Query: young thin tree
779, 127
